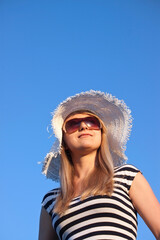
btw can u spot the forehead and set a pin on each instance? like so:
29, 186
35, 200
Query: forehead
78, 115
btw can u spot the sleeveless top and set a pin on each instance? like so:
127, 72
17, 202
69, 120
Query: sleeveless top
98, 217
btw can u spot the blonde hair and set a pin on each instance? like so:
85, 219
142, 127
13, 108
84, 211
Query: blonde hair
99, 182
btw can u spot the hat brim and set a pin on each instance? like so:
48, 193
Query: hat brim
114, 113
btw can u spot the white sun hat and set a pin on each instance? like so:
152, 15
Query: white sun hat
113, 112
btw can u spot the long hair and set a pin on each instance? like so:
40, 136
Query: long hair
98, 182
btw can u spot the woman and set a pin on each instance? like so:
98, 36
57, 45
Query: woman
99, 195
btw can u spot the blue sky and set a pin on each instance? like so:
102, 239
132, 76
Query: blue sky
52, 49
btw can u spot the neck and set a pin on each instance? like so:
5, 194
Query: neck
84, 164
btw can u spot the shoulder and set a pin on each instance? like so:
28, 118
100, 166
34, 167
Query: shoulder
124, 176
51, 194
49, 199
126, 169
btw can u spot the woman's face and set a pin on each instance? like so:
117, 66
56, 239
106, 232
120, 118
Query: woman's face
84, 138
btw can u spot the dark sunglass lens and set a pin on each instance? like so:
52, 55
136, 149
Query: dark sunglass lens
93, 122
72, 125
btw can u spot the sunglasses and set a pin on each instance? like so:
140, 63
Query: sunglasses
73, 125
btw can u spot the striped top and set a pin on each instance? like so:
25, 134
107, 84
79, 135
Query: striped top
98, 217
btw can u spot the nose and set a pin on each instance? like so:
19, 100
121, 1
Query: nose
83, 126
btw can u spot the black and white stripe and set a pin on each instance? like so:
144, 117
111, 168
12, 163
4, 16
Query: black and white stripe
98, 217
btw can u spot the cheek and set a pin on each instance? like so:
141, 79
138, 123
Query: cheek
67, 141
99, 139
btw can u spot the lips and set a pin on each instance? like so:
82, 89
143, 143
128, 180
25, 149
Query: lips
84, 135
